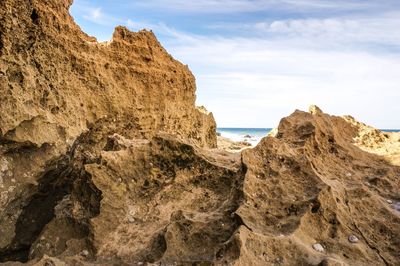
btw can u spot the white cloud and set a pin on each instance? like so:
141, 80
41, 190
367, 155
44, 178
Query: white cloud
94, 14
233, 6
345, 64
382, 29
252, 82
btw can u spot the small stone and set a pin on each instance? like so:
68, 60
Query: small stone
353, 239
85, 253
389, 201
318, 247
140, 263
348, 174
396, 206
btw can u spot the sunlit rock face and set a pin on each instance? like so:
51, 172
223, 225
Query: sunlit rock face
57, 80
312, 195
61, 91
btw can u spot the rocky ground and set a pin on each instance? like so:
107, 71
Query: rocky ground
230, 145
105, 160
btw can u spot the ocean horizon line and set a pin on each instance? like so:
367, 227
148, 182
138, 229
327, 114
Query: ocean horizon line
270, 128
244, 127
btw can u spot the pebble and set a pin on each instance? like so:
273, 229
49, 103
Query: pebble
318, 247
353, 239
348, 174
389, 201
397, 206
85, 253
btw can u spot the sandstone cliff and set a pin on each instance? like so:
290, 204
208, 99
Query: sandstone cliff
56, 79
61, 89
104, 160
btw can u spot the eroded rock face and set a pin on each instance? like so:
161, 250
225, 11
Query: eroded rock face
62, 96
165, 201
311, 185
56, 82
386, 144
104, 160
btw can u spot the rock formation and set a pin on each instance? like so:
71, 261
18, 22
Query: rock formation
378, 142
60, 90
56, 79
232, 146
105, 160
311, 184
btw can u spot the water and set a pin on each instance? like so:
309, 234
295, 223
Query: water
242, 134
256, 134
390, 130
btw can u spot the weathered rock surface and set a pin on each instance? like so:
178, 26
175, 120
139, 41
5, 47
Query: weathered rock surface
230, 145
386, 144
312, 184
56, 82
104, 160
63, 96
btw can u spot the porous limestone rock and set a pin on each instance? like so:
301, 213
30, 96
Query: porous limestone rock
298, 192
61, 89
105, 160
56, 82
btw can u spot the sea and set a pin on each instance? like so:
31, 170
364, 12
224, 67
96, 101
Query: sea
390, 130
251, 135
254, 135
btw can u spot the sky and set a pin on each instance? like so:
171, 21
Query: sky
256, 61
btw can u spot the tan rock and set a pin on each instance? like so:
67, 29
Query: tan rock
65, 98
232, 146
308, 184
56, 82
105, 160
315, 110
386, 144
